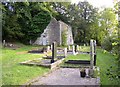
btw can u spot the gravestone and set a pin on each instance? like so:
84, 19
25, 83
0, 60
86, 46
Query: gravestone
94, 52
69, 47
65, 51
87, 72
4, 43
91, 57
84, 45
54, 52
51, 46
77, 47
30, 42
48, 48
73, 49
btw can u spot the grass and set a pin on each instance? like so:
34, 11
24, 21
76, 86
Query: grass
104, 61
16, 74
84, 48
75, 57
13, 72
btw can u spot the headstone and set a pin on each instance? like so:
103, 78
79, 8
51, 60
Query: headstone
91, 57
77, 47
73, 50
87, 73
65, 51
48, 48
30, 42
94, 52
69, 47
84, 45
51, 46
54, 52
4, 43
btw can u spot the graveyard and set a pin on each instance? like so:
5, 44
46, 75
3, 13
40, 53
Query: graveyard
61, 43
13, 69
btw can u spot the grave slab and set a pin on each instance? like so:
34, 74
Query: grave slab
43, 62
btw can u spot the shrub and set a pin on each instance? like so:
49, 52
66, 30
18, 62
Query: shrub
107, 44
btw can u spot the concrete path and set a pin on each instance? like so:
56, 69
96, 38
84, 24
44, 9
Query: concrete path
65, 76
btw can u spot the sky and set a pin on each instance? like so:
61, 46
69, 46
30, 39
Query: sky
98, 3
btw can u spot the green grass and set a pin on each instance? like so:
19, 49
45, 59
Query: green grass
84, 48
15, 74
104, 61
75, 57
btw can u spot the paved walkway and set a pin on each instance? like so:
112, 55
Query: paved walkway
65, 76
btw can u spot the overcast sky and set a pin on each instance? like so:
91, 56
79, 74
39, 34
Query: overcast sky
97, 3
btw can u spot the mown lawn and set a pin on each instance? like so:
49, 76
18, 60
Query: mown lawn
15, 74
105, 61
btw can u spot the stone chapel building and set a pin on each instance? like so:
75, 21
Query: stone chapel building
53, 32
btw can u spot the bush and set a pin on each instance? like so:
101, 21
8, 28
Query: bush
107, 44
110, 44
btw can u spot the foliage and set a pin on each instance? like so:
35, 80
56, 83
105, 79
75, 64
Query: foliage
64, 38
107, 44
105, 61
25, 21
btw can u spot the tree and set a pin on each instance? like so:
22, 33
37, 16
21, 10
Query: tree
81, 17
107, 24
25, 20
11, 29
